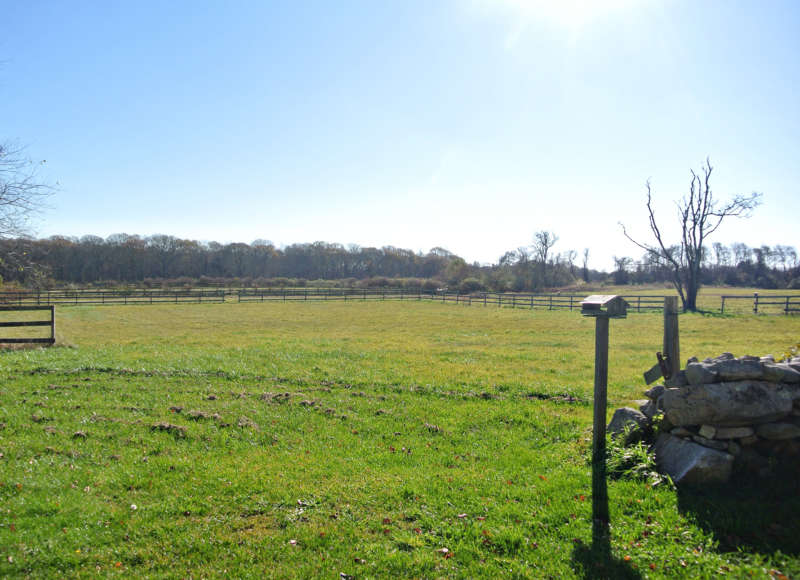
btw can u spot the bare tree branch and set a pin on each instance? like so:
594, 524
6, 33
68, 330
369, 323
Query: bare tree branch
21, 192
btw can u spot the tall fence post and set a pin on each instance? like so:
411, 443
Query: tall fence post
755, 302
671, 336
599, 489
722, 308
52, 324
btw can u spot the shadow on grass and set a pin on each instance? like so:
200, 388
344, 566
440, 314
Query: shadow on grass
758, 514
596, 560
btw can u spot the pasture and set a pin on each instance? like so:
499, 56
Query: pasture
360, 440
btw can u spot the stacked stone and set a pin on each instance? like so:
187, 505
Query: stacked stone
727, 413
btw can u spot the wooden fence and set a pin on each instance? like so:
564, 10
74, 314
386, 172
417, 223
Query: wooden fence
503, 300
29, 323
76, 297
740, 304
766, 304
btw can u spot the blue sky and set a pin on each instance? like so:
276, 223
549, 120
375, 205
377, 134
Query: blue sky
465, 124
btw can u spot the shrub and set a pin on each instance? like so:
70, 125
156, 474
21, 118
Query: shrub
469, 285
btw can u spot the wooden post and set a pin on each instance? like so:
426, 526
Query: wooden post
786, 308
755, 302
52, 324
722, 309
672, 348
599, 488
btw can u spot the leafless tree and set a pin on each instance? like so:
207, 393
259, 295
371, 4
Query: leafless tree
699, 216
21, 192
585, 267
21, 195
543, 242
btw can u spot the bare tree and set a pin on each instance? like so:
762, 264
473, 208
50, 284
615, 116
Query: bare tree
21, 195
543, 242
699, 216
621, 270
585, 267
21, 192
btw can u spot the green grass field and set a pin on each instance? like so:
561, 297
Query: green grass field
318, 439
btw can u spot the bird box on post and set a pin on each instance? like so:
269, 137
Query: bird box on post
605, 305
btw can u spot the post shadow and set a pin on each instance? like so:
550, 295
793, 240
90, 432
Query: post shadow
596, 560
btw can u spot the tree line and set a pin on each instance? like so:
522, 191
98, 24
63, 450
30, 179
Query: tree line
163, 260
736, 264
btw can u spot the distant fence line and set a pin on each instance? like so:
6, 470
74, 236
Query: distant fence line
76, 297
788, 304
499, 299
764, 304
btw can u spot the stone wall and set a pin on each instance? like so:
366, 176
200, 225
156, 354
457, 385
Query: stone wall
723, 415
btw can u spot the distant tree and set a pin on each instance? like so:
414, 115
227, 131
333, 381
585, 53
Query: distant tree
585, 266
543, 242
699, 216
741, 254
621, 267
570, 259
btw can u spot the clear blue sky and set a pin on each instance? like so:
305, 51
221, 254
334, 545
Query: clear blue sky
464, 124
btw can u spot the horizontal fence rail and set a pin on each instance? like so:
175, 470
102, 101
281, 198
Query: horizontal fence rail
764, 304
739, 304
499, 299
29, 323
76, 297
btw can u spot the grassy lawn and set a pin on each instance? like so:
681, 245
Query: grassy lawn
319, 439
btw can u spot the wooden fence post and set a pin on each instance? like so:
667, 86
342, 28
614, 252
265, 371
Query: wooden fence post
52, 324
755, 302
599, 488
671, 336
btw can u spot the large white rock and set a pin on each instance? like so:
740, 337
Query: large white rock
728, 404
690, 463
